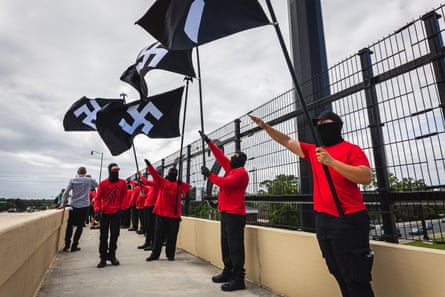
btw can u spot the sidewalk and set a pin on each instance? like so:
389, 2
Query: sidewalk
75, 274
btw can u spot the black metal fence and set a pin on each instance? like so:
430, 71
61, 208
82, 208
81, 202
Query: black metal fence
391, 96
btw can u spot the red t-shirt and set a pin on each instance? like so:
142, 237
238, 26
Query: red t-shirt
168, 203
152, 194
348, 192
110, 196
232, 186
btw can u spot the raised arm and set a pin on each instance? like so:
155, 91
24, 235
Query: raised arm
291, 144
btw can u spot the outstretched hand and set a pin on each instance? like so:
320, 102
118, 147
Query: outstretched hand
204, 137
257, 121
147, 162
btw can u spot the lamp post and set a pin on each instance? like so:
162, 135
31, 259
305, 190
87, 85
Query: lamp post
101, 162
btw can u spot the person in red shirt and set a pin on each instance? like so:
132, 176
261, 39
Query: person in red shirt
149, 216
134, 217
140, 201
108, 206
231, 204
343, 239
167, 210
125, 219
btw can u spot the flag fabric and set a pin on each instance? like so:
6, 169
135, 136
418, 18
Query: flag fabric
184, 24
157, 56
157, 117
81, 116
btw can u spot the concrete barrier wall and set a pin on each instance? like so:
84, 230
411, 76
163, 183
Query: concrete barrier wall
28, 246
290, 262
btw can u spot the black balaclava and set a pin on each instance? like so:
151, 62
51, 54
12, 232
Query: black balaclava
330, 133
113, 176
238, 159
172, 174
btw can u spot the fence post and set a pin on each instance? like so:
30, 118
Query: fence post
162, 167
187, 180
435, 43
375, 125
237, 135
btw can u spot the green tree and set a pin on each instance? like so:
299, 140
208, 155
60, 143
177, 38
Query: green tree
281, 185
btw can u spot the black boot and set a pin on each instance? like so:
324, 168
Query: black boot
113, 259
152, 258
102, 263
75, 248
221, 278
235, 284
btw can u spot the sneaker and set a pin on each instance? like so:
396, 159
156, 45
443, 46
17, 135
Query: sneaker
102, 263
114, 261
75, 249
221, 278
152, 258
233, 285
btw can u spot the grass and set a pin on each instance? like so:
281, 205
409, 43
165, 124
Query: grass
437, 244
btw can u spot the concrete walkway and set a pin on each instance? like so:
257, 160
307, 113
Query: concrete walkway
75, 274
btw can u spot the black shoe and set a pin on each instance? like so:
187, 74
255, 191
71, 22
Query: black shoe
171, 258
102, 263
140, 232
152, 258
142, 246
114, 261
221, 278
75, 249
131, 229
148, 248
233, 285
66, 248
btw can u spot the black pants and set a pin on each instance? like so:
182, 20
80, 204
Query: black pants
232, 244
109, 224
125, 219
141, 217
150, 219
134, 217
165, 227
76, 218
344, 243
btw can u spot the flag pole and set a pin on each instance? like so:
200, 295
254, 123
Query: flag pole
201, 106
303, 103
187, 79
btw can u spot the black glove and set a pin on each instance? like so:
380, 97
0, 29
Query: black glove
204, 137
98, 216
205, 171
147, 162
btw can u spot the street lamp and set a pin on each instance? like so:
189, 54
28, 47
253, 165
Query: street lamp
101, 162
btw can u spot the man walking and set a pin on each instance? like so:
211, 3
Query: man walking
80, 187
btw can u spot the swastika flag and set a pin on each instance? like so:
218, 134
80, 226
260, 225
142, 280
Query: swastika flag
81, 116
157, 117
156, 56
184, 24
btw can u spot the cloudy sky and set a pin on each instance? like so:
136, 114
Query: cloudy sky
53, 52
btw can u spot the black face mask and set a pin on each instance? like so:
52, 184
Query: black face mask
172, 175
238, 160
330, 133
112, 176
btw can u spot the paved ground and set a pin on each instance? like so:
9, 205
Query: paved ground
75, 274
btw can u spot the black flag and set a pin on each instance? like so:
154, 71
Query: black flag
158, 117
157, 56
184, 24
81, 116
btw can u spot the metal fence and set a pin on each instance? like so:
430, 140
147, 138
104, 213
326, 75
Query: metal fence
391, 96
